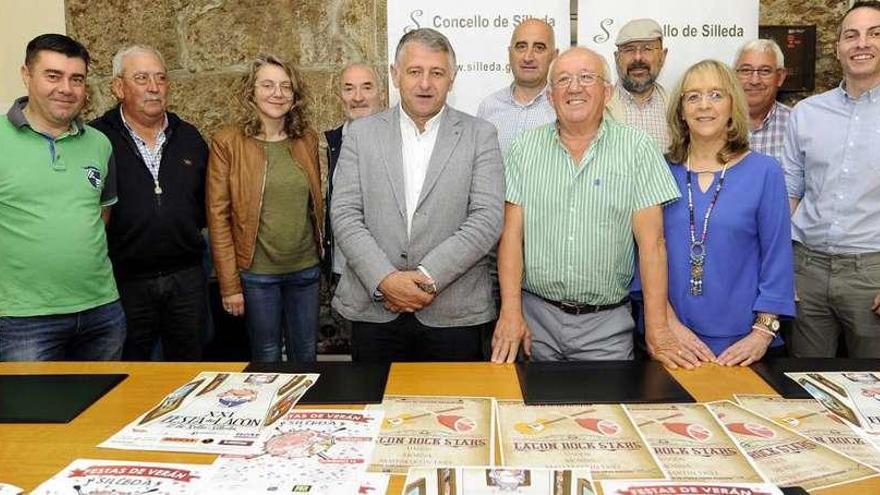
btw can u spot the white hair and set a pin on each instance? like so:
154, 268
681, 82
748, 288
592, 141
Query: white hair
119, 58
762, 45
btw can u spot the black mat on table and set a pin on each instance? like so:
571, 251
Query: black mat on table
51, 398
773, 371
794, 490
339, 383
598, 382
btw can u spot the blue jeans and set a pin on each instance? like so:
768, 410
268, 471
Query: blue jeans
95, 334
288, 302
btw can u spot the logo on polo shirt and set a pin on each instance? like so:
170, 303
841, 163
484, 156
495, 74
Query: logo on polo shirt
94, 177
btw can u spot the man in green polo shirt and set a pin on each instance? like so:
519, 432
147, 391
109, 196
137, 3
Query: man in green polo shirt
58, 299
580, 191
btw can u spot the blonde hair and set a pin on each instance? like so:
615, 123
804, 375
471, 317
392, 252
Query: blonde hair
737, 140
295, 124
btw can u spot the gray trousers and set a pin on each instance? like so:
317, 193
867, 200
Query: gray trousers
836, 292
560, 336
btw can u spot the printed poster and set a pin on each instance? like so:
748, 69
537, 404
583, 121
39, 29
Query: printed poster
691, 445
678, 488
434, 431
99, 477
783, 456
853, 396
810, 419
601, 438
215, 413
7, 489
319, 452
497, 480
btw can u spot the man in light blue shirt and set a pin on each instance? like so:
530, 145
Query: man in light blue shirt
832, 168
523, 105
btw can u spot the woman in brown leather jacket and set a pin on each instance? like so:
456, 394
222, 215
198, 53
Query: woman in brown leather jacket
265, 214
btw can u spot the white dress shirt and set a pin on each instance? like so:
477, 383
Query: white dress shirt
417, 149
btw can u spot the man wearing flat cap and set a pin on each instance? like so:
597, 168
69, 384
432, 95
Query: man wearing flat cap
638, 100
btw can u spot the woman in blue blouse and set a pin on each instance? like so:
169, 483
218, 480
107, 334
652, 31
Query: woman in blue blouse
729, 237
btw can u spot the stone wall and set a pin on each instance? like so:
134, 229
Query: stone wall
208, 43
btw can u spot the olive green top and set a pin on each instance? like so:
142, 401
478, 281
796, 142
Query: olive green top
285, 238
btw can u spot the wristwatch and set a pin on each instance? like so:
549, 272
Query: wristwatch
770, 322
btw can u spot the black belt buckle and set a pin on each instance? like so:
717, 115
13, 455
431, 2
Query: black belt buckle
573, 308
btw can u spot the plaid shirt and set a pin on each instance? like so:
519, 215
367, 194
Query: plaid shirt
769, 138
648, 116
152, 158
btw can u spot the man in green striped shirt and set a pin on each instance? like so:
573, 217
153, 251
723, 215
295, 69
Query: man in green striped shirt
579, 192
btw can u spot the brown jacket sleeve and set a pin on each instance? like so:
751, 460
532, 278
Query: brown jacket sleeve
219, 208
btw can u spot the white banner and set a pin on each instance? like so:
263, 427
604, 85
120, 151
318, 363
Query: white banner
480, 34
693, 30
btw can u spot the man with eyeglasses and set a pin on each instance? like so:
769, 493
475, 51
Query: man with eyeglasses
58, 300
832, 172
582, 192
638, 99
523, 104
760, 67
154, 232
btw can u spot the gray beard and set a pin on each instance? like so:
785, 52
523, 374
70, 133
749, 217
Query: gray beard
635, 86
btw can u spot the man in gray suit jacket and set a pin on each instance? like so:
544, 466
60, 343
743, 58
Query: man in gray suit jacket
419, 197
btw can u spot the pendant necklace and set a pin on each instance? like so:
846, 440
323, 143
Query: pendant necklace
698, 246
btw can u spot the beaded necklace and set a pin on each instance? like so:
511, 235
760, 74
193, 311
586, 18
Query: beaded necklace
698, 247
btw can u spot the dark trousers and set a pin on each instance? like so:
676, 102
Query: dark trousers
170, 307
407, 339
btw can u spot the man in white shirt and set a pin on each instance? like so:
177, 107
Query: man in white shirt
418, 204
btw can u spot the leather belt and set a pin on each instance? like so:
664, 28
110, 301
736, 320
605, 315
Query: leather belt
574, 308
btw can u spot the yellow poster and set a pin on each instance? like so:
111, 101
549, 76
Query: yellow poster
435, 431
691, 445
601, 438
783, 456
809, 418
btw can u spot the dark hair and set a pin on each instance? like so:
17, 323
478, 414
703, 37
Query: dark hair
52, 42
871, 4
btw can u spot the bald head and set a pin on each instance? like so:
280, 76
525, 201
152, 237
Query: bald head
580, 88
532, 48
360, 89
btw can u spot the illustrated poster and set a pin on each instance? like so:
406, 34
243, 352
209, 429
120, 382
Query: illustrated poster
434, 431
215, 413
678, 488
691, 445
783, 456
853, 396
100, 477
809, 418
496, 480
310, 451
601, 438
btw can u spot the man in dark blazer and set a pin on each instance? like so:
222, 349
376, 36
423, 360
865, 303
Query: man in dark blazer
418, 204
362, 95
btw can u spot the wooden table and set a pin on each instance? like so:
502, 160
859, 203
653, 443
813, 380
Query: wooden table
30, 454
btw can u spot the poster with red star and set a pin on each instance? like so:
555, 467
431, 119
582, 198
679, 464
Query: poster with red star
319, 452
215, 413
100, 477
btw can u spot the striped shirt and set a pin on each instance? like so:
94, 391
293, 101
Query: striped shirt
578, 244
649, 116
511, 117
770, 137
